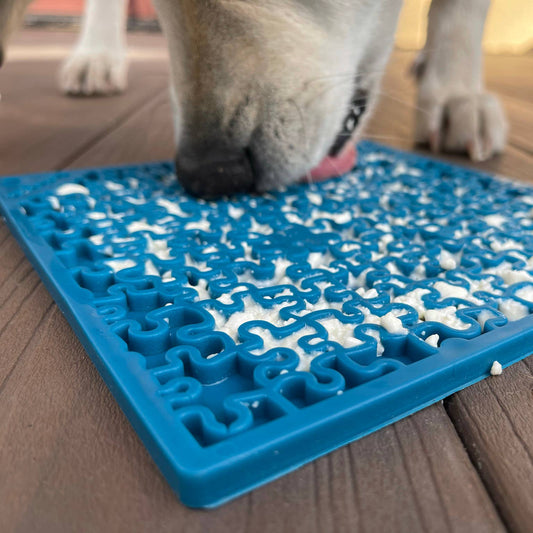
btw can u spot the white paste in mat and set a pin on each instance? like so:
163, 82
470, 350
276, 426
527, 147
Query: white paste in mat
484, 316
496, 369
113, 186
512, 309
525, 293
142, 225
158, 247
54, 202
235, 212
71, 188
506, 244
252, 311
414, 299
447, 260
135, 201
289, 341
121, 240
495, 220
340, 332
202, 224
446, 316
419, 272
393, 324
375, 334
262, 229
367, 294
314, 198
167, 276
96, 215
120, 264
201, 289
150, 269
433, 340
97, 239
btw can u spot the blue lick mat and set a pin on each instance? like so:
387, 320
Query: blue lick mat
246, 337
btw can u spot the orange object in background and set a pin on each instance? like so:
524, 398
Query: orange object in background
138, 9
56, 7
142, 9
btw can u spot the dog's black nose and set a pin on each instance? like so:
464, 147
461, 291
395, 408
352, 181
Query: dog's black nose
1, 56
218, 172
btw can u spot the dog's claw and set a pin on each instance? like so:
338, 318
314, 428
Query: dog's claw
434, 141
417, 67
473, 124
88, 73
472, 151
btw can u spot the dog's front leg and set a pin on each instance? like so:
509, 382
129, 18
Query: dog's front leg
455, 113
11, 14
97, 64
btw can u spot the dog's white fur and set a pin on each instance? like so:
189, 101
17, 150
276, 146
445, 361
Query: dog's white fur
277, 76
97, 64
273, 75
451, 83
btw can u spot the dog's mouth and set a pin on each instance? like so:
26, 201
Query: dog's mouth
342, 155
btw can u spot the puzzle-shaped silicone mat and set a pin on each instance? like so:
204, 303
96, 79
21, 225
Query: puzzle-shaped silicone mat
248, 336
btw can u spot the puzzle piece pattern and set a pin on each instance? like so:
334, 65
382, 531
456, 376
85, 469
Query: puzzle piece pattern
205, 295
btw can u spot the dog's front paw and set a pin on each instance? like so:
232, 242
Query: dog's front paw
93, 73
470, 123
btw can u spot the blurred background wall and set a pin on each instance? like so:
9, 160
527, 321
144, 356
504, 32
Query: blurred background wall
509, 26
66, 12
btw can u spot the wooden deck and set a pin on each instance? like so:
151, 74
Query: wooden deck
69, 460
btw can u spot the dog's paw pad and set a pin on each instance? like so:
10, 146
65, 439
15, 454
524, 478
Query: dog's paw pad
93, 73
474, 124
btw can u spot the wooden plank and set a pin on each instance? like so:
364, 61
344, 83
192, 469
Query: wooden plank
399, 90
46, 38
495, 421
510, 75
71, 458
20, 293
392, 124
495, 417
44, 130
149, 136
520, 115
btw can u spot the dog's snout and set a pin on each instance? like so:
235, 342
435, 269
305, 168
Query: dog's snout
217, 172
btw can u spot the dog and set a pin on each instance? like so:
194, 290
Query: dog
268, 92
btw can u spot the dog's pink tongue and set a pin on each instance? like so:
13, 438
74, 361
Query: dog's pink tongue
335, 166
